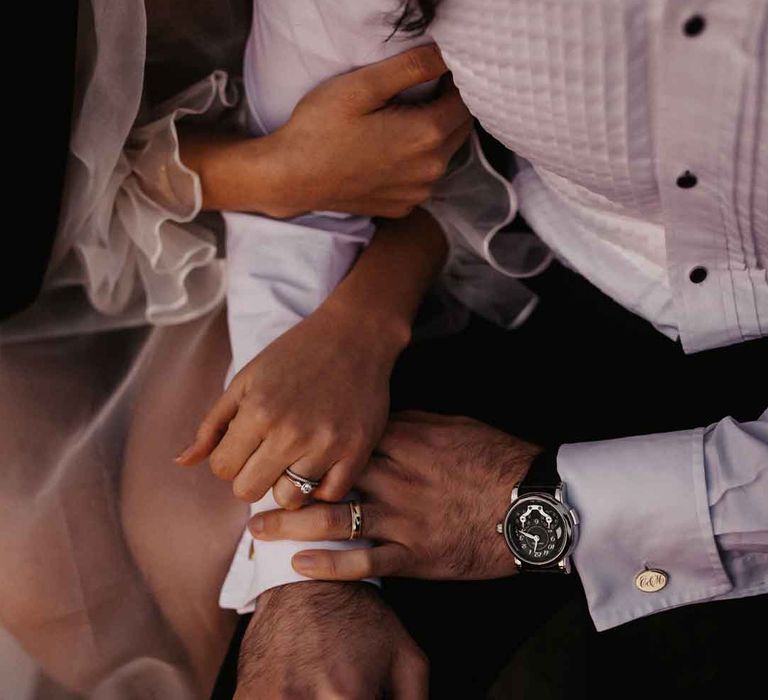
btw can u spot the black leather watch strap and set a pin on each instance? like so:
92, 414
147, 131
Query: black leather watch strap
542, 474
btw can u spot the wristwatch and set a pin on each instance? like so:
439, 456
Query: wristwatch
540, 528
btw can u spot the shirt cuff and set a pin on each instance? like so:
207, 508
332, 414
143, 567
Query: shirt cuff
258, 565
642, 503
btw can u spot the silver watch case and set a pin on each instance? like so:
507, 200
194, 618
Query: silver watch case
570, 520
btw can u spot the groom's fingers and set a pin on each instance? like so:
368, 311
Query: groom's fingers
352, 564
317, 522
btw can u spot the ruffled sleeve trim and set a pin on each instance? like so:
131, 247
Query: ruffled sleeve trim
474, 204
140, 239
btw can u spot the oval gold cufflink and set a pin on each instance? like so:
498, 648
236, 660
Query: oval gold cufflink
651, 580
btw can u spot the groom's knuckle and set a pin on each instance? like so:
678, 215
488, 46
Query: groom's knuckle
407, 480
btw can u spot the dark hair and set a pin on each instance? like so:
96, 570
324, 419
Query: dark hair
416, 16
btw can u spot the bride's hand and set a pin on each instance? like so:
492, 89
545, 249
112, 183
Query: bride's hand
431, 499
345, 147
315, 400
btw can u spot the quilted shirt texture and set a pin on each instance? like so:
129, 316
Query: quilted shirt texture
608, 103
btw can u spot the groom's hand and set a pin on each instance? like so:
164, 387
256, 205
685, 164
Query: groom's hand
431, 497
328, 640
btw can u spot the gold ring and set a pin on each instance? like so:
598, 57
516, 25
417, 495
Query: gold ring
356, 513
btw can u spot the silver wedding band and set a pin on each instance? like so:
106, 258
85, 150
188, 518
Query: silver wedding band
305, 485
356, 514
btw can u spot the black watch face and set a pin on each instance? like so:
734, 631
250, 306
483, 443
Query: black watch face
536, 531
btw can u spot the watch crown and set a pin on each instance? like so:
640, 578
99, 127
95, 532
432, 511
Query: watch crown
500, 528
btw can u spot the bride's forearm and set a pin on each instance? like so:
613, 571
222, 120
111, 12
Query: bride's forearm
237, 173
344, 148
382, 293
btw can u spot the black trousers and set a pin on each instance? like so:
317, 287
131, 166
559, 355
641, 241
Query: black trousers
581, 368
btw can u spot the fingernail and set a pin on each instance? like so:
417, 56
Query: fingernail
182, 455
305, 561
256, 526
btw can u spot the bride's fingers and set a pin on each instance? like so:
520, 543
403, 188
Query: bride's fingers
388, 559
287, 494
211, 429
262, 469
338, 482
239, 443
317, 522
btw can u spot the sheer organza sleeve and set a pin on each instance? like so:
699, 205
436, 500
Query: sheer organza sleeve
474, 205
131, 240
145, 242
130, 248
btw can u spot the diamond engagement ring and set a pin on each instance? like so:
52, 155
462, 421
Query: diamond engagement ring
305, 485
